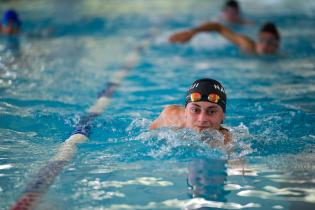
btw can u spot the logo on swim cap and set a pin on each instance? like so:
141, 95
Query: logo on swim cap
219, 87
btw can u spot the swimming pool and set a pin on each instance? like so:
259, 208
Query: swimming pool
49, 83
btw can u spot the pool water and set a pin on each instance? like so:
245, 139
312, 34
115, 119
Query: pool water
69, 50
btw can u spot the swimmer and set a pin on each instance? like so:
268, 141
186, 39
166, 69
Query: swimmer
10, 24
204, 109
268, 39
231, 14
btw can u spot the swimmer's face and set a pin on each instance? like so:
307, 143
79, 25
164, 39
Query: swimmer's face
267, 43
10, 28
231, 14
203, 115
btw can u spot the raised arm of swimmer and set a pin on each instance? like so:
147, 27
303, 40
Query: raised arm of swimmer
172, 116
268, 38
243, 42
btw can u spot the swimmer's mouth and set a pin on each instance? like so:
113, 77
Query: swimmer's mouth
202, 127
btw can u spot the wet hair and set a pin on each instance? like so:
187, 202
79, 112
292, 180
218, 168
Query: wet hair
231, 3
270, 28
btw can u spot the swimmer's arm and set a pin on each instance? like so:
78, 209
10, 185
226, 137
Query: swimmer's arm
243, 42
156, 123
159, 122
167, 117
227, 135
184, 36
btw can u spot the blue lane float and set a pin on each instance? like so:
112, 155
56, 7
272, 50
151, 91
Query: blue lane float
47, 174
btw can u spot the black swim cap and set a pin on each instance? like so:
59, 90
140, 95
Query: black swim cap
270, 28
206, 87
232, 4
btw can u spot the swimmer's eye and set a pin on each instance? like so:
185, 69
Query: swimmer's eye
212, 111
195, 110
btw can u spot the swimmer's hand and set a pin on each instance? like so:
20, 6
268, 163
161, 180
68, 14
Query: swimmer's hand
181, 37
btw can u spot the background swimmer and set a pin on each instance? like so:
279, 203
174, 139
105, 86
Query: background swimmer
231, 14
268, 38
10, 24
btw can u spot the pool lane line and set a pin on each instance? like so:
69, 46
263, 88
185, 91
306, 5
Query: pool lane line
47, 174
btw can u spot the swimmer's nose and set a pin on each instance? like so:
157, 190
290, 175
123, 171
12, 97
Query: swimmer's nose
202, 117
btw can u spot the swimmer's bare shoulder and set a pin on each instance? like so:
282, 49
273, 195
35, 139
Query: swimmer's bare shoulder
171, 116
227, 135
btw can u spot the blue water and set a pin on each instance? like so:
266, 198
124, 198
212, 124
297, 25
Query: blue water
69, 50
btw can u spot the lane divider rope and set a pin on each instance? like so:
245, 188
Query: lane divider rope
36, 189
